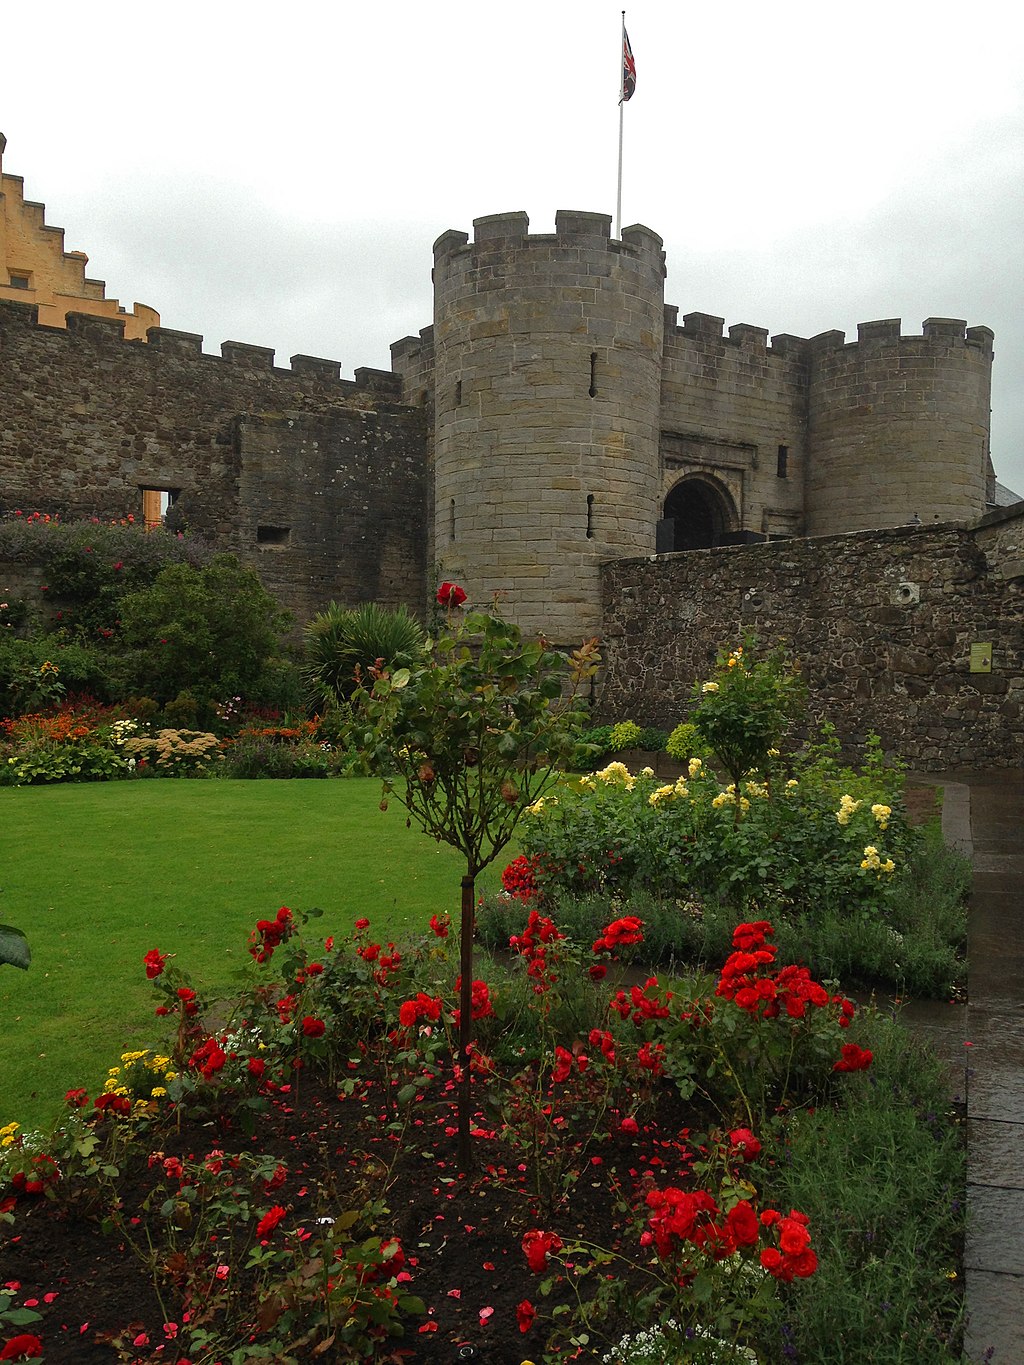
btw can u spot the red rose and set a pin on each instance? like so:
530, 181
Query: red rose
854, 1058
536, 1247
313, 1028
270, 1220
450, 595
440, 926
525, 1314
743, 1145
76, 1099
256, 1066
155, 962
22, 1347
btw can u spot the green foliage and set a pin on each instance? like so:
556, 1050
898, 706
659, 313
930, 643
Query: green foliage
882, 1180
625, 735
474, 735
341, 640
210, 631
50, 761
848, 882
743, 711
91, 565
685, 742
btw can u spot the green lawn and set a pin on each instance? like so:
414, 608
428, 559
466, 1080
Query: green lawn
98, 873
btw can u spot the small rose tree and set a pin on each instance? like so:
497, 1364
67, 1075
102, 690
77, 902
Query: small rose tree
743, 711
466, 741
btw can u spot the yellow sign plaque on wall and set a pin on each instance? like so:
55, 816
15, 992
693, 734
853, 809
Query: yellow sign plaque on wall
981, 658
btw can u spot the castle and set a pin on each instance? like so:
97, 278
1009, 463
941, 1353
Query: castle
553, 422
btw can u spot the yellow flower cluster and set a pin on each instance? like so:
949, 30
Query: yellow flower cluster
7, 1138
616, 774
709, 687
791, 784
872, 861
729, 798
694, 767
881, 814
735, 659
847, 806
669, 793
759, 789
139, 1076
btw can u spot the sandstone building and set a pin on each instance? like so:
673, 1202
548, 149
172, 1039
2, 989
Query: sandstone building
35, 268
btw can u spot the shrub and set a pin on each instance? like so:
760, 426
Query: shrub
685, 743
341, 640
91, 565
210, 631
176, 753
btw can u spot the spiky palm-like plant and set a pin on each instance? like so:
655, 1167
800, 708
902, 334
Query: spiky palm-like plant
340, 638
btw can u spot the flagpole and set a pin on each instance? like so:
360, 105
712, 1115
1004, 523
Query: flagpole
622, 103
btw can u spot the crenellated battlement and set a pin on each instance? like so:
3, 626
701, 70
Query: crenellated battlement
35, 263
108, 333
575, 229
889, 331
709, 330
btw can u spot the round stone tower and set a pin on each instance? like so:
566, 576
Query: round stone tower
898, 426
547, 379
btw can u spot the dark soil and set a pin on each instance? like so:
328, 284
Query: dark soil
461, 1234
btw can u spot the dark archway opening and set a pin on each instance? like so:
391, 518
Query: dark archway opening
694, 519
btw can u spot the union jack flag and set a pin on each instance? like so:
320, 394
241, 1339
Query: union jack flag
628, 69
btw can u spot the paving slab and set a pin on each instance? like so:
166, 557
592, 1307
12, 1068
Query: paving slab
995, 1320
995, 1229
992, 1157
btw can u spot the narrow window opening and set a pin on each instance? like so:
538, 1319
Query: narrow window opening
18, 280
782, 468
593, 374
590, 516
273, 537
155, 505
458, 393
451, 520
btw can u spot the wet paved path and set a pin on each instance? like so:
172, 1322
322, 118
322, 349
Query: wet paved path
994, 1257
983, 813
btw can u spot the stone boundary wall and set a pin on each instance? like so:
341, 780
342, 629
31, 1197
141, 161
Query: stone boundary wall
881, 622
316, 482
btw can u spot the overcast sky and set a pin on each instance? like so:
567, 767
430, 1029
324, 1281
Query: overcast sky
277, 173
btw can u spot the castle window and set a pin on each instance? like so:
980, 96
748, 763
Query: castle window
18, 280
155, 502
593, 375
272, 537
590, 516
782, 468
451, 520
458, 392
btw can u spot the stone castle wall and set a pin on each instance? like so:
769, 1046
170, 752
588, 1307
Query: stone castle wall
727, 405
547, 368
898, 425
317, 482
882, 623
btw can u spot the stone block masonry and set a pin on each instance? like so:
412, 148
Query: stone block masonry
882, 624
316, 482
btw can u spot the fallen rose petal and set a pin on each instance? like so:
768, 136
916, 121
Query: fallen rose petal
428, 1327
485, 1313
